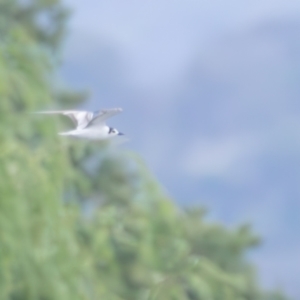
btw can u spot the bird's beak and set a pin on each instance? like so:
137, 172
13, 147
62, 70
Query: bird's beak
120, 133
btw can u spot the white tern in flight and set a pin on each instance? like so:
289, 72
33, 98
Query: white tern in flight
89, 125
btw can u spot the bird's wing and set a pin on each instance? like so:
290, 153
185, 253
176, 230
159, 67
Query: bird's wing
101, 116
80, 118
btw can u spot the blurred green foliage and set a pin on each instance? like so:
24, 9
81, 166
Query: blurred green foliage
80, 222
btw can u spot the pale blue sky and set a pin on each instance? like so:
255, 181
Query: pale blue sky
210, 91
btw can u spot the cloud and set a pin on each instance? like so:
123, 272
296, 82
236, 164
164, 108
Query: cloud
219, 157
158, 38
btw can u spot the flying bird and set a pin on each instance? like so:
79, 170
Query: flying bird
89, 125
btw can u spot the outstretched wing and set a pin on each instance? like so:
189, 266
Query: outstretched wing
80, 118
101, 116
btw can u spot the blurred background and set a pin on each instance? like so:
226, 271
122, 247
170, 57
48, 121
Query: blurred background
210, 91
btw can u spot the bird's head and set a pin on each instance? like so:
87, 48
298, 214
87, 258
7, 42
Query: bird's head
114, 132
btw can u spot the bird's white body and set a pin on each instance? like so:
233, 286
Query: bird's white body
89, 133
89, 125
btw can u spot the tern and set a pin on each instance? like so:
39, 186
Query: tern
89, 125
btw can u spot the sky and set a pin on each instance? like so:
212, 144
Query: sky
210, 92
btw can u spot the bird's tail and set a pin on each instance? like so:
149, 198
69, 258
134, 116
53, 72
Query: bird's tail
49, 112
66, 133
